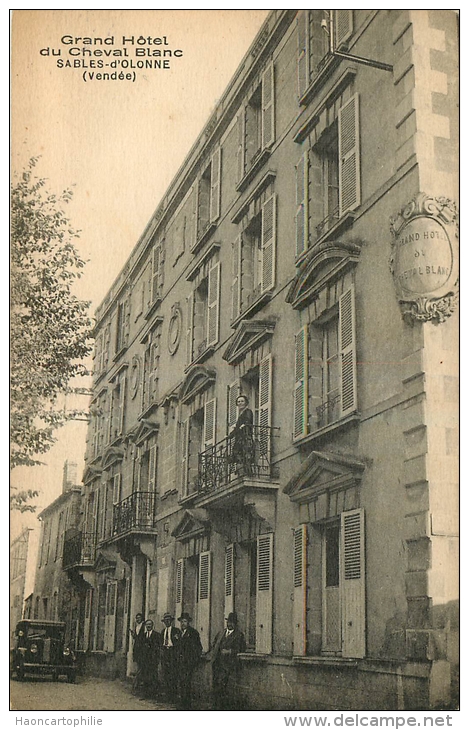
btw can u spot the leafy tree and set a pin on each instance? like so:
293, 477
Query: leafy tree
50, 327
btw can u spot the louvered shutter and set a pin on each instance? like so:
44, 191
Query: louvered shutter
352, 570
264, 594
300, 395
152, 468
213, 310
301, 218
241, 144
196, 212
229, 579
210, 415
265, 408
203, 606
122, 401
343, 27
349, 156
116, 489
111, 601
268, 106
87, 619
108, 425
153, 374
236, 282
347, 353
302, 24
190, 329
268, 244
299, 590
155, 274
179, 587
185, 425
232, 408
215, 185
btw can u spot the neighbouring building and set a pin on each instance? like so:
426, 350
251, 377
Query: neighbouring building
305, 255
20, 559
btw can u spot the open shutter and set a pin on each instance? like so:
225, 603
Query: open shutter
122, 399
215, 185
299, 590
87, 619
179, 587
232, 408
301, 218
343, 27
152, 468
347, 353
300, 396
203, 606
190, 329
236, 282
196, 212
210, 415
155, 277
185, 425
349, 156
265, 407
229, 579
352, 570
268, 244
111, 616
153, 375
213, 318
302, 25
264, 594
240, 149
268, 107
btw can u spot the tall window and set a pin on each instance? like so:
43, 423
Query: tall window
203, 317
256, 123
208, 197
198, 433
123, 324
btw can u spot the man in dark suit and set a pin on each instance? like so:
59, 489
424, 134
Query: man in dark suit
137, 633
169, 639
189, 653
149, 650
226, 665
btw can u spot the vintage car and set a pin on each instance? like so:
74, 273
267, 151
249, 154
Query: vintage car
40, 649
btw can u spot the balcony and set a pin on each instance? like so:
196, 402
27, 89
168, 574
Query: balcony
79, 549
135, 514
329, 411
237, 462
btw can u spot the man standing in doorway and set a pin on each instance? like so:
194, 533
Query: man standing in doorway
170, 637
137, 633
226, 665
189, 653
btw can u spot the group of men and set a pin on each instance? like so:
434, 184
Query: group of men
178, 652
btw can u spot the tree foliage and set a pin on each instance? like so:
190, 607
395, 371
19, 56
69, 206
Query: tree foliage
50, 327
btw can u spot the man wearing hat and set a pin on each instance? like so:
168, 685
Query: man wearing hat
226, 665
169, 640
189, 651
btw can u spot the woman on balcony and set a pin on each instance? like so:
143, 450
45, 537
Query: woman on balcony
242, 444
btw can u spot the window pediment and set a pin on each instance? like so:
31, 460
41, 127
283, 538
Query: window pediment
113, 455
144, 430
323, 263
198, 379
324, 471
194, 522
90, 474
249, 335
105, 560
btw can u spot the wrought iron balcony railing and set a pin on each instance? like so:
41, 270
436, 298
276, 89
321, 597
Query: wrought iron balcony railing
328, 412
135, 513
327, 223
79, 549
247, 453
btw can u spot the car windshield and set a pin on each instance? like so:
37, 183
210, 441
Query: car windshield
44, 632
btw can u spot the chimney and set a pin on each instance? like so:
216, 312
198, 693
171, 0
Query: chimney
70, 476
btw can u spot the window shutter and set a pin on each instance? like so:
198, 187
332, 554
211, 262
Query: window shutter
122, 400
349, 156
343, 27
196, 212
352, 565
213, 319
302, 205
116, 489
347, 353
302, 25
185, 455
87, 619
109, 398
241, 144
210, 414
155, 274
232, 408
229, 579
203, 607
299, 590
111, 616
300, 396
190, 329
268, 244
179, 587
265, 407
215, 185
268, 106
264, 594
236, 283
152, 468
153, 375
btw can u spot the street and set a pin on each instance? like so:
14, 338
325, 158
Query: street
89, 693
